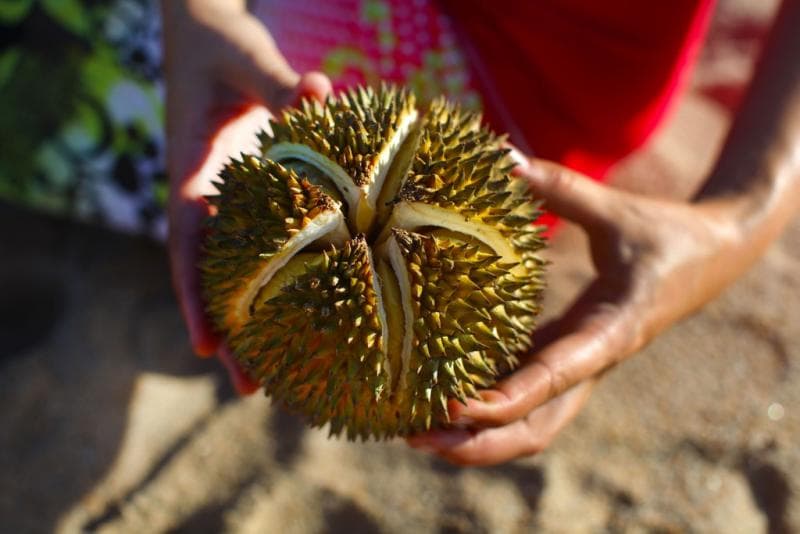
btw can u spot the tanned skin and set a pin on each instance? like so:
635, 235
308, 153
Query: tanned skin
656, 261
224, 75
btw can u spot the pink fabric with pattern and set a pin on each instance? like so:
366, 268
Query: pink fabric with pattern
366, 41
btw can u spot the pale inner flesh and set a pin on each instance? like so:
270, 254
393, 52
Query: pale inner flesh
370, 207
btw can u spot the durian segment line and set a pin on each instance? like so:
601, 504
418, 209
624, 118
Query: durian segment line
361, 201
328, 226
382, 315
414, 215
382, 166
389, 249
282, 152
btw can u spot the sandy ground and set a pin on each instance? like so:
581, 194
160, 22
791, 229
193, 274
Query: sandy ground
110, 424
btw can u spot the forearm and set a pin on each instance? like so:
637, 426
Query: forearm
757, 177
173, 8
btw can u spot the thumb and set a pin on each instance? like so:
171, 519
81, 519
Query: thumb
314, 85
565, 192
251, 63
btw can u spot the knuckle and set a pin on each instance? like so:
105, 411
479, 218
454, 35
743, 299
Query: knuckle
621, 330
501, 408
555, 378
559, 179
499, 418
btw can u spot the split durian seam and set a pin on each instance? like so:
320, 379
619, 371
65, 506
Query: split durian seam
312, 139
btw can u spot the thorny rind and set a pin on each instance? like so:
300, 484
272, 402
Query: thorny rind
433, 298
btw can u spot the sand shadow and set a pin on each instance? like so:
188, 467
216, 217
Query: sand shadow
84, 312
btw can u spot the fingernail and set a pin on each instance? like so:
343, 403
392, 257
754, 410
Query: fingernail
519, 158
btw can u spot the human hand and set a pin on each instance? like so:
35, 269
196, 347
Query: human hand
656, 261
220, 62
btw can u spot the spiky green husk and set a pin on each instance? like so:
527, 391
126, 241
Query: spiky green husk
455, 264
352, 139
260, 207
317, 345
470, 318
350, 131
463, 168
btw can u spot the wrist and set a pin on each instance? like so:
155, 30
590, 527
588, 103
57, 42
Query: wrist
758, 212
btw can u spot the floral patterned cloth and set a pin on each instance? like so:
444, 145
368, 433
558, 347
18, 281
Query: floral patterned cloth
81, 110
81, 93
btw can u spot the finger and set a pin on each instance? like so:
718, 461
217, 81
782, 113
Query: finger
314, 85
251, 62
521, 438
241, 382
484, 447
565, 192
596, 333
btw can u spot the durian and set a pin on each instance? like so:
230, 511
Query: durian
374, 260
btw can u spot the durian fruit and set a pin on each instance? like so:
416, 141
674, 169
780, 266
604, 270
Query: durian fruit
373, 261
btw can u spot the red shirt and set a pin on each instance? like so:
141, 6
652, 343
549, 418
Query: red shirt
581, 82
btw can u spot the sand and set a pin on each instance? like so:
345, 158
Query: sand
110, 424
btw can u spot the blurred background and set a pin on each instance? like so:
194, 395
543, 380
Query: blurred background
109, 423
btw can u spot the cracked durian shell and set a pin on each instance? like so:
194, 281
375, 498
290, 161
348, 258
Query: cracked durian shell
373, 261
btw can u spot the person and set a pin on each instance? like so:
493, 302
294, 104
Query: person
657, 260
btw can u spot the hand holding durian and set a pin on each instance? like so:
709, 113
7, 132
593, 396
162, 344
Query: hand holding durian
210, 117
657, 261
